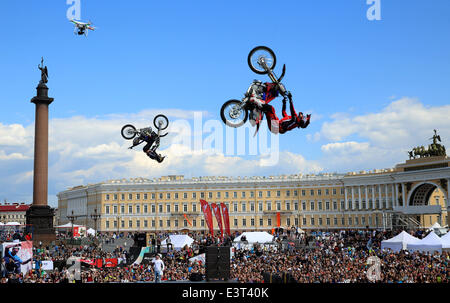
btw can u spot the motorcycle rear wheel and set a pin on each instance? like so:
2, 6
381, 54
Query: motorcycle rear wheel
128, 131
258, 52
231, 116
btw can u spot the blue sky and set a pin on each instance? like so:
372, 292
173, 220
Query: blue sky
191, 56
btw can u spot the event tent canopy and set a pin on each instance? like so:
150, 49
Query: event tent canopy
399, 242
430, 243
12, 223
91, 231
445, 239
198, 258
256, 237
179, 241
434, 226
68, 225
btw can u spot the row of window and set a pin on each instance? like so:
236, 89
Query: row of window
153, 223
12, 216
113, 209
242, 206
312, 221
377, 188
243, 194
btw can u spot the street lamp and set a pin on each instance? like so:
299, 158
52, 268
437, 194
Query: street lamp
95, 217
71, 218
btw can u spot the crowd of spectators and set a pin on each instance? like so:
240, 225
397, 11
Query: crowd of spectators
328, 257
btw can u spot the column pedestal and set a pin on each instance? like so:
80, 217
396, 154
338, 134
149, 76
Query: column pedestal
40, 224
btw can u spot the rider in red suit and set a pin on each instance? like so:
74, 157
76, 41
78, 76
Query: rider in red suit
287, 123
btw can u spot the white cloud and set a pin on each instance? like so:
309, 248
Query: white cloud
386, 135
90, 149
345, 147
87, 150
403, 123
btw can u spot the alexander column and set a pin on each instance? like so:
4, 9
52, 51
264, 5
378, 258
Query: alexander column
40, 216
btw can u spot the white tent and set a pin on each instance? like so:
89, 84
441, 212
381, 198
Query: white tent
430, 243
198, 258
12, 223
68, 225
445, 239
434, 226
1, 223
91, 231
399, 242
256, 237
179, 241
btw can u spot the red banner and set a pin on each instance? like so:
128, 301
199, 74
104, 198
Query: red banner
278, 220
226, 218
112, 262
93, 262
216, 210
208, 215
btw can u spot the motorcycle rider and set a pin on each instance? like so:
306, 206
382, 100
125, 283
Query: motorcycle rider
276, 125
149, 136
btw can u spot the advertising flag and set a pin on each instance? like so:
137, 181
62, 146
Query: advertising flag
187, 219
208, 215
278, 220
226, 218
216, 210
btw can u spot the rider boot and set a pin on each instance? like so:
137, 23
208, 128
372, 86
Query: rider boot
160, 159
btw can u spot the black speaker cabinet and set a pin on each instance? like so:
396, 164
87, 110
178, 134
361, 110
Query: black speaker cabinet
140, 240
217, 262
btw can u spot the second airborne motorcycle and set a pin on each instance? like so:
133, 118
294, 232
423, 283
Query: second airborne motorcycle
235, 113
147, 135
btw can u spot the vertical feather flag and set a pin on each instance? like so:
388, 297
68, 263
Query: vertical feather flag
278, 220
208, 215
216, 210
226, 218
187, 219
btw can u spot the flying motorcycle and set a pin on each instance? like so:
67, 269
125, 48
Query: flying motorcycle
261, 60
129, 132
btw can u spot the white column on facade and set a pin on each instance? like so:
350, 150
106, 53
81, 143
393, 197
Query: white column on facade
353, 197
393, 195
405, 204
396, 194
359, 195
379, 196
386, 195
346, 200
367, 197
448, 195
373, 197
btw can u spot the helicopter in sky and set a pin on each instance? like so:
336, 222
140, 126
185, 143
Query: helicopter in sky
82, 28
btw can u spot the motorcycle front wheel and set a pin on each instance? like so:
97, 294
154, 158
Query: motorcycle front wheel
128, 132
261, 53
161, 122
232, 115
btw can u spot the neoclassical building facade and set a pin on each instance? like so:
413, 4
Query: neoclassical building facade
414, 194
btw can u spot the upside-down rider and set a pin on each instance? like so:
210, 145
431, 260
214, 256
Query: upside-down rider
287, 123
152, 139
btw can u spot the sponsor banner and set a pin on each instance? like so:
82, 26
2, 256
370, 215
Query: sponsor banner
226, 218
47, 265
111, 262
21, 253
208, 215
216, 210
